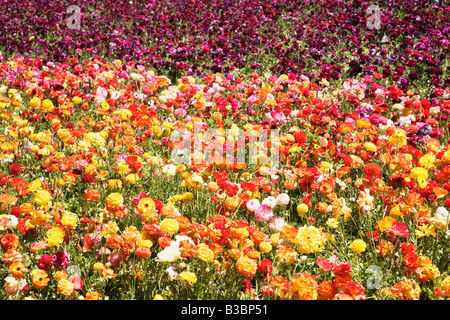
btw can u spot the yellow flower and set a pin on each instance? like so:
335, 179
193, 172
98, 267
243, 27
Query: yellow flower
35, 102
65, 287
76, 100
42, 198
69, 219
398, 138
369, 146
114, 200
427, 161
302, 208
309, 239
275, 239
55, 236
188, 277
169, 225
132, 178
358, 246
98, 266
425, 231
115, 184
265, 247
420, 175
47, 106
445, 285
122, 167
205, 254
332, 222
158, 297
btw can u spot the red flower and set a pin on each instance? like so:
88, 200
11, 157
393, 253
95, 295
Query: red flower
16, 169
373, 235
372, 170
410, 261
265, 267
300, 137
407, 247
342, 269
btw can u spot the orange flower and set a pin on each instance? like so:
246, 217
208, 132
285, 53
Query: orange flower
304, 286
11, 256
384, 248
143, 252
36, 246
17, 269
183, 223
281, 285
326, 186
286, 254
91, 194
10, 241
385, 223
61, 275
327, 290
65, 287
39, 278
92, 295
114, 241
289, 232
246, 266
7, 200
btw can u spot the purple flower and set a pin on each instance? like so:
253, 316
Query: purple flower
60, 260
423, 129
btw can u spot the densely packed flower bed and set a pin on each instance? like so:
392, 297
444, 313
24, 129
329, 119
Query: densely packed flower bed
97, 204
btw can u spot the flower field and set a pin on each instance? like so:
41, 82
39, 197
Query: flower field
239, 150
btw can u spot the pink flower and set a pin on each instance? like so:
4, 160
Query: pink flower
325, 264
398, 229
263, 213
77, 281
121, 157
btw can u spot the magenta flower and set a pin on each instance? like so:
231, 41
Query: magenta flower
60, 260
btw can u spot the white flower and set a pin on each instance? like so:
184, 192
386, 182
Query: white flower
252, 205
441, 211
169, 169
170, 253
171, 273
276, 223
270, 201
283, 199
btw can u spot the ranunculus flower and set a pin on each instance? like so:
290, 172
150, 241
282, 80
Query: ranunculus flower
283, 199
252, 205
263, 213
60, 260
44, 262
